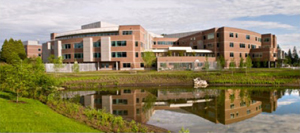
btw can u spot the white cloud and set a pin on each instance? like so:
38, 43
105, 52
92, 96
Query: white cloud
288, 41
32, 19
261, 123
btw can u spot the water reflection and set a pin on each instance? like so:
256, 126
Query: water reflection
225, 106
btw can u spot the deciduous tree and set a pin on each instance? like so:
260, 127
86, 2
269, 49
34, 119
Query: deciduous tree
149, 59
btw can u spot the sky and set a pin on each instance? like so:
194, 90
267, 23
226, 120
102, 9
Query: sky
36, 19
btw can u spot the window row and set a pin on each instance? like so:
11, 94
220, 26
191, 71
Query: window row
80, 55
118, 43
80, 45
247, 36
88, 35
257, 55
127, 32
242, 45
118, 54
165, 43
120, 101
120, 112
76, 56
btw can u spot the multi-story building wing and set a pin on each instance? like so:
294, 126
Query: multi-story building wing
32, 49
234, 44
120, 47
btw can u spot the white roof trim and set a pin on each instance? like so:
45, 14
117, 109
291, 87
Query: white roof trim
159, 50
186, 49
155, 35
190, 50
84, 31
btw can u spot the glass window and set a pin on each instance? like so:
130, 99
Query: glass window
218, 45
136, 54
248, 37
255, 38
211, 36
97, 44
97, 55
236, 35
231, 116
248, 111
165, 43
266, 39
120, 101
118, 43
118, 54
127, 91
78, 55
246, 54
231, 55
142, 65
231, 44
67, 56
253, 46
126, 65
231, 35
242, 45
218, 35
66, 46
204, 37
137, 100
137, 111
232, 106
78, 45
39, 49
136, 43
127, 32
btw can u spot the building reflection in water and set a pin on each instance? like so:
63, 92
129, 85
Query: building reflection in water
218, 106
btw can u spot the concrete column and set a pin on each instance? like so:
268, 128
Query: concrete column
105, 49
57, 48
46, 51
107, 103
269, 64
117, 66
88, 50
89, 101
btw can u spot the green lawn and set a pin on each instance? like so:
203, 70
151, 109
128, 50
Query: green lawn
274, 76
34, 116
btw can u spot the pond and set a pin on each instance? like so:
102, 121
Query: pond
200, 110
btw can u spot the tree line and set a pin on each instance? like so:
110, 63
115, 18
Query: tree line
292, 58
24, 76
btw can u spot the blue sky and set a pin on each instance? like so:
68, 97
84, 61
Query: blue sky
36, 19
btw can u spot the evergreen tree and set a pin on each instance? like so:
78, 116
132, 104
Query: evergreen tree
289, 57
295, 56
12, 46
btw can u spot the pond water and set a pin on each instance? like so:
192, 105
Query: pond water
201, 110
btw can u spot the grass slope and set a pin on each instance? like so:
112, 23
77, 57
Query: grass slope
34, 116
